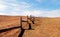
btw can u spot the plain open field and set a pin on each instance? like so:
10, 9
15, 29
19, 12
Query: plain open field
43, 27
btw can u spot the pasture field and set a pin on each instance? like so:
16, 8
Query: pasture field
43, 27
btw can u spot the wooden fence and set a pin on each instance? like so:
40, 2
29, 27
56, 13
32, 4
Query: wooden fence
31, 18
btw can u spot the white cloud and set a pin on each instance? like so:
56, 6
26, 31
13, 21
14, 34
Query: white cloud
2, 7
52, 13
22, 9
33, 12
13, 7
2, 13
42, 13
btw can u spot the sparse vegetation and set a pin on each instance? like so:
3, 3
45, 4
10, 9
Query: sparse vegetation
43, 27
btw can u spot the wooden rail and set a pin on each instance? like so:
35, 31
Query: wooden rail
31, 18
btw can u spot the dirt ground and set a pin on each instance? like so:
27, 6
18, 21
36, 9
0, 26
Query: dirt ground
43, 27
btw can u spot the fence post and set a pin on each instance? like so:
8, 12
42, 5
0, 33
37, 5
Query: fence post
27, 19
21, 22
32, 19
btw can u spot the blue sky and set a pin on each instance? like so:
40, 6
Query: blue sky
43, 8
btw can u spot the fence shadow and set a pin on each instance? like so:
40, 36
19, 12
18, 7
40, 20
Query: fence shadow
7, 29
22, 30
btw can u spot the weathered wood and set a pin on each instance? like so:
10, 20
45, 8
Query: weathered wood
21, 22
32, 19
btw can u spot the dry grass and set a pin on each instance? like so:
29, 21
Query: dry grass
43, 27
